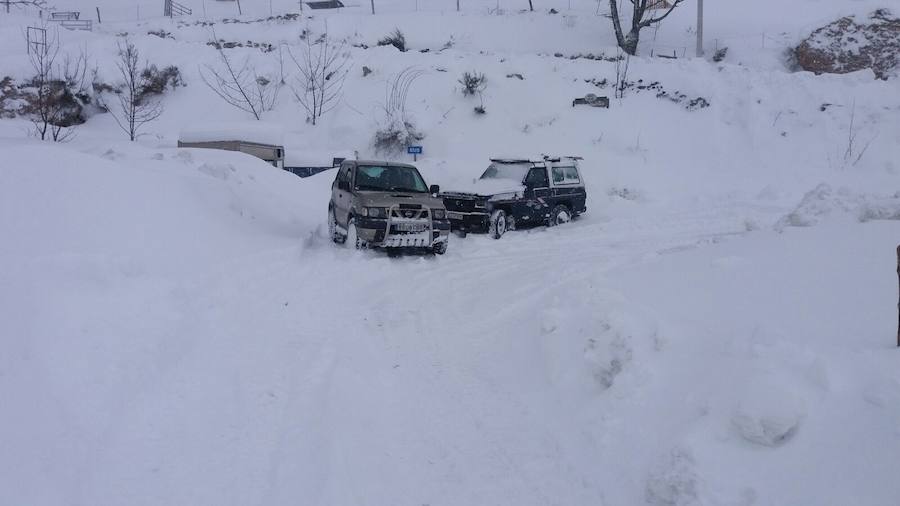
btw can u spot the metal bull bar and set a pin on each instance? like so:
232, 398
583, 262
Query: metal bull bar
409, 228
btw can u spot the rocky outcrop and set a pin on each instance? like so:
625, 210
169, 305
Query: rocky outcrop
850, 44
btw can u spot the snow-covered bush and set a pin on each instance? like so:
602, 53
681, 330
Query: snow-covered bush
720, 54
156, 81
394, 137
134, 105
397, 130
54, 97
472, 83
396, 39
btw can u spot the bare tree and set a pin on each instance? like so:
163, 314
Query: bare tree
135, 108
641, 17
322, 69
53, 104
40, 4
241, 86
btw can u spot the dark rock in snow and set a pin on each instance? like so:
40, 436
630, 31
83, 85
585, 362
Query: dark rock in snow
848, 45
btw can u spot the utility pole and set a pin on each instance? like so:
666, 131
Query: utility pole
699, 28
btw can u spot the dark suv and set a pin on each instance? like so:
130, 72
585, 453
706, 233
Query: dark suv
515, 192
386, 205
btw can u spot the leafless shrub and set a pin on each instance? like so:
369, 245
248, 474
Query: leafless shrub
472, 83
853, 153
134, 108
57, 91
240, 86
720, 54
398, 130
396, 39
322, 68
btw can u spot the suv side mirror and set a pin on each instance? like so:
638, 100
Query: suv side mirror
344, 185
435, 190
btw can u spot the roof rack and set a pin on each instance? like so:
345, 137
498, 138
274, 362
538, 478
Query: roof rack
541, 159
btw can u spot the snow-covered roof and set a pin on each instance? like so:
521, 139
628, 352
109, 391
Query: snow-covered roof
247, 132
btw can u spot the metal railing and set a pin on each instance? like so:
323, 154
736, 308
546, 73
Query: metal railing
78, 24
172, 8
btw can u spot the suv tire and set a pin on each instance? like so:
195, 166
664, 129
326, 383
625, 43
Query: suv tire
439, 248
352, 240
498, 225
559, 215
332, 228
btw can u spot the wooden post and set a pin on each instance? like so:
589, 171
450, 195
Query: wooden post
98, 16
373, 6
898, 297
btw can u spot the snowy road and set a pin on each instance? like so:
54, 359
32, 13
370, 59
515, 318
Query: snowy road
614, 360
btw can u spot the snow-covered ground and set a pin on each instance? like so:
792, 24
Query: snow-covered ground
718, 329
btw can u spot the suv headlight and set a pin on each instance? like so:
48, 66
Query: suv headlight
374, 212
438, 214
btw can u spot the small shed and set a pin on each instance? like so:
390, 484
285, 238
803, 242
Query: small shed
255, 140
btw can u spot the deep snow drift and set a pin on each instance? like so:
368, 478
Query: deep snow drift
717, 329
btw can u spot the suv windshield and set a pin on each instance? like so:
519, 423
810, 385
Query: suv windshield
389, 178
514, 171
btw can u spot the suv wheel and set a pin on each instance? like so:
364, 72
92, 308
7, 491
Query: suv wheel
332, 228
352, 238
498, 225
559, 215
439, 248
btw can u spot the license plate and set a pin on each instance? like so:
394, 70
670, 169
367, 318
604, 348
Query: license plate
410, 227
454, 216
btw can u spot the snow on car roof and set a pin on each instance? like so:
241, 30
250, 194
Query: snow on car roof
533, 159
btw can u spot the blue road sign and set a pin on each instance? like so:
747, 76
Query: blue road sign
414, 150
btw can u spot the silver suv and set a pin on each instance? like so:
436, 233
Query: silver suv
386, 205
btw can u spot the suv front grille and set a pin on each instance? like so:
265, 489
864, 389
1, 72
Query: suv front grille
410, 214
463, 205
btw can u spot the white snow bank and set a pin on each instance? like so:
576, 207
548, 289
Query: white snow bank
824, 202
167, 208
770, 411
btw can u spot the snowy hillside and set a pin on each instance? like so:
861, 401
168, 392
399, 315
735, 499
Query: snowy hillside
717, 329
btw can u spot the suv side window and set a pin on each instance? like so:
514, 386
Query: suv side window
565, 175
344, 175
537, 178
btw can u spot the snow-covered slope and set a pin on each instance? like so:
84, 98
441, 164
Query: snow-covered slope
717, 329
